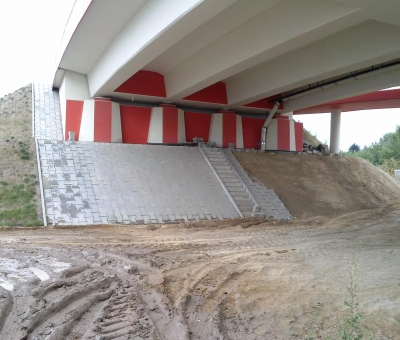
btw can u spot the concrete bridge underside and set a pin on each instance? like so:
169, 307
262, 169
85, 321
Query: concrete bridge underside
244, 57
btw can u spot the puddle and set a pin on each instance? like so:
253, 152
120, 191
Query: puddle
41, 274
9, 240
54, 264
9, 264
14, 270
58, 267
6, 285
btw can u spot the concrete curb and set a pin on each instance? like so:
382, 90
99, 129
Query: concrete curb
33, 110
41, 184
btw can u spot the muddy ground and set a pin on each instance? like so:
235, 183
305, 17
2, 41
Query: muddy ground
234, 279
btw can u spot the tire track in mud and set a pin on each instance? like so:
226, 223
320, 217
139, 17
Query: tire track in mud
6, 303
42, 317
189, 284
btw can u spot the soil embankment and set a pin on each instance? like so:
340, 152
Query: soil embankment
311, 185
19, 182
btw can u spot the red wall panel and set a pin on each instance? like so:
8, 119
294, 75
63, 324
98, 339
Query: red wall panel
73, 117
283, 134
135, 123
266, 103
102, 121
298, 132
215, 93
170, 125
146, 83
252, 132
197, 125
228, 129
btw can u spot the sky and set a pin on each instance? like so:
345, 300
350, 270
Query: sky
30, 34
360, 127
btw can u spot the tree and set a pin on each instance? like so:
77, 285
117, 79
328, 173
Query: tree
354, 148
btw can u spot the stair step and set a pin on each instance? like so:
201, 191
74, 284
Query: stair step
237, 194
224, 171
245, 202
222, 167
232, 184
211, 150
215, 154
244, 206
220, 163
228, 180
233, 189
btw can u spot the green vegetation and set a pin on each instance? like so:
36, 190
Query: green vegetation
16, 206
307, 136
19, 190
351, 324
385, 154
354, 148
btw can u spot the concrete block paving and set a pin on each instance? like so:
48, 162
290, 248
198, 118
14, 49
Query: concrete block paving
129, 184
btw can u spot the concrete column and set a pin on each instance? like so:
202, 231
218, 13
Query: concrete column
335, 131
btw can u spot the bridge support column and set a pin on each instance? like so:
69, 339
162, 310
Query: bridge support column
335, 131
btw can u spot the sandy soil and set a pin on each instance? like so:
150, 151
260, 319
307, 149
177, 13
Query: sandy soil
234, 279
311, 185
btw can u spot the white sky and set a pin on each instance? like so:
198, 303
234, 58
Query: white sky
360, 127
30, 34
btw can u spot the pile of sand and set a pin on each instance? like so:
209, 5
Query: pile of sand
311, 185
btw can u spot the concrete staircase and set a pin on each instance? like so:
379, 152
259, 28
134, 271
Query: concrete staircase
236, 189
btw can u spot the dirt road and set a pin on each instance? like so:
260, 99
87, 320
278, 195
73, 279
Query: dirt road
237, 279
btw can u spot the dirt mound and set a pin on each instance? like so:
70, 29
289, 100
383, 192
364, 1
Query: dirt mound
311, 185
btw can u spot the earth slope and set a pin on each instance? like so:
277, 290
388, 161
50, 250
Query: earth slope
311, 185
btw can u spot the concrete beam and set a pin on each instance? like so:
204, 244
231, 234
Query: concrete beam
348, 51
372, 83
156, 27
253, 43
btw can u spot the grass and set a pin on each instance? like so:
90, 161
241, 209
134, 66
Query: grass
19, 189
16, 204
307, 136
349, 326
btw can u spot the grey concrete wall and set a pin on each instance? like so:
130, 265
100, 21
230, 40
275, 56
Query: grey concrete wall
91, 183
47, 113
